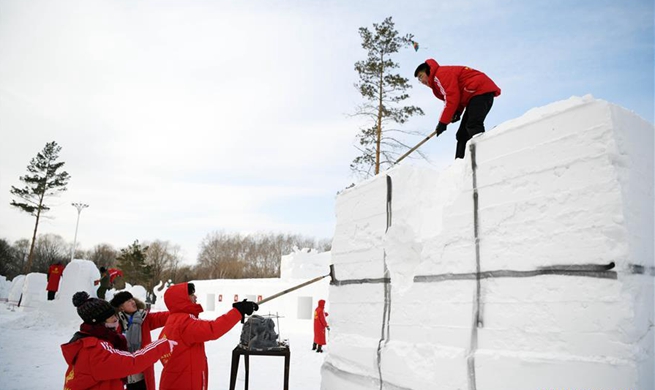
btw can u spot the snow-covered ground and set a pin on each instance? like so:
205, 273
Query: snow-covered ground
31, 336
30, 354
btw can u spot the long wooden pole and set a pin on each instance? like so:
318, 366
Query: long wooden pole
416, 147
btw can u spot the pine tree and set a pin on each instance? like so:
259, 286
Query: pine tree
384, 92
42, 181
132, 261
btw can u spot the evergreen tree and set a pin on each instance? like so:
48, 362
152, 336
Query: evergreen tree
384, 91
132, 261
42, 181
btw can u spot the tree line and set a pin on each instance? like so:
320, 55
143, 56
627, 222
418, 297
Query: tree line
222, 256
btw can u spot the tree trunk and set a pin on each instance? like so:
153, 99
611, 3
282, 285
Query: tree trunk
379, 129
28, 266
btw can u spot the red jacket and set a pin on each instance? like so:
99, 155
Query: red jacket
186, 368
95, 365
456, 85
320, 323
54, 274
113, 274
152, 321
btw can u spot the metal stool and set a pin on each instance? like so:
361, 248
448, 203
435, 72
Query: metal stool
236, 356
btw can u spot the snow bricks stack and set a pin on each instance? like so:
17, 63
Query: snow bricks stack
527, 265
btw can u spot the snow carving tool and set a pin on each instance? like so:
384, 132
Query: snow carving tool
415, 147
332, 280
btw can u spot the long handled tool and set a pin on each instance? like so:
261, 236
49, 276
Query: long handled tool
332, 279
416, 147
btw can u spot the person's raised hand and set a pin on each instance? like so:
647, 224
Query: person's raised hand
245, 307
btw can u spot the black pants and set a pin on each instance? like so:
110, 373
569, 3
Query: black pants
140, 385
51, 295
473, 120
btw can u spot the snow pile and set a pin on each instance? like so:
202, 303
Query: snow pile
304, 264
78, 276
5, 285
16, 289
159, 291
34, 292
540, 278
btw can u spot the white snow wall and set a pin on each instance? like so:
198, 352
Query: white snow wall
563, 193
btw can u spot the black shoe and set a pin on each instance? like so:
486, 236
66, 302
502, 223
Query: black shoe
319, 350
314, 347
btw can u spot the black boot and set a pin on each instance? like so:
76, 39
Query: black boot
314, 347
319, 349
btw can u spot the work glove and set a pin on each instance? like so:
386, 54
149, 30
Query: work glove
245, 307
441, 127
457, 116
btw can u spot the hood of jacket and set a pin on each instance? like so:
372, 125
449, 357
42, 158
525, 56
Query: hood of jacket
321, 303
434, 65
177, 300
77, 343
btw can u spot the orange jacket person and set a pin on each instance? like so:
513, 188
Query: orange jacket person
320, 323
460, 87
54, 274
95, 355
186, 368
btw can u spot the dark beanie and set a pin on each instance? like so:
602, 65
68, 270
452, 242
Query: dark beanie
191, 288
120, 298
92, 310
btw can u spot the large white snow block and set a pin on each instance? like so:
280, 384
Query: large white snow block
558, 292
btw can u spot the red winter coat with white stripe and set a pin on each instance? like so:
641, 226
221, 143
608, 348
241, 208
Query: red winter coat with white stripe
93, 364
186, 368
456, 85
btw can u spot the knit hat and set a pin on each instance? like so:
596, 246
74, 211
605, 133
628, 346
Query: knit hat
121, 298
92, 310
191, 288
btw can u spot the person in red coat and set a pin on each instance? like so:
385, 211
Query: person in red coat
96, 355
136, 323
186, 368
464, 91
54, 274
320, 324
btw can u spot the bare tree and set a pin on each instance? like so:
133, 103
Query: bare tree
49, 249
220, 256
162, 256
103, 255
231, 256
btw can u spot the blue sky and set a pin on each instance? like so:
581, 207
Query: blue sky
178, 118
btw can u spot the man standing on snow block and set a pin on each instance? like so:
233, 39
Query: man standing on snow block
186, 367
54, 274
461, 88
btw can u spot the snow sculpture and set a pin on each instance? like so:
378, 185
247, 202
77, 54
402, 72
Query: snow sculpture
527, 265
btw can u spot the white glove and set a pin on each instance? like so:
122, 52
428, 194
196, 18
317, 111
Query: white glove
171, 344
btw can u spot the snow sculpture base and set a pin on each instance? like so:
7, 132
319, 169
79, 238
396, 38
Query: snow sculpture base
563, 192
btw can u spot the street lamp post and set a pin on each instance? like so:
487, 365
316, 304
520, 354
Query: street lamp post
79, 207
